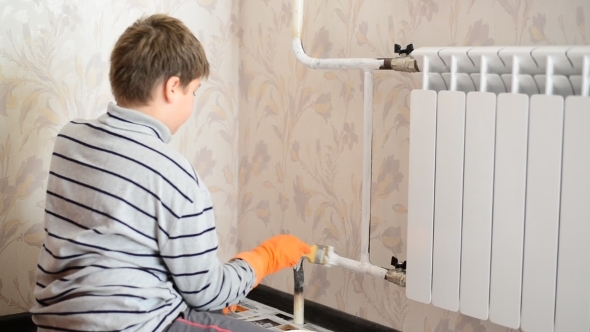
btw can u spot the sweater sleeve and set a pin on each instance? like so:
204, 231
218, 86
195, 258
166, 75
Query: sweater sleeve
189, 250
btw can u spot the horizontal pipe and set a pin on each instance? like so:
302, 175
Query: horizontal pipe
356, 266
367, 64
336, 63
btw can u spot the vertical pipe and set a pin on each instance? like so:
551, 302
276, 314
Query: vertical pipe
298, 301
549, 76
298, 18
483, 80
367, 169
586, 77
425, 69
515, 73
453, 73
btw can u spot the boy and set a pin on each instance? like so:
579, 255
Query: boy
130, 233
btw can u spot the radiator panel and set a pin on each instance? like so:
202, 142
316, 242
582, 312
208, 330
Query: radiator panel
542, 212
446, 259
478, 190
421, 195
508, 210
573, 271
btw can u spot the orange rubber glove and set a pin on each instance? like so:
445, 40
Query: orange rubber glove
275, 254
231, 308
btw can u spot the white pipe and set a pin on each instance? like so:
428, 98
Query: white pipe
361, 267
586, 77
368, 65
515, 73
549, 76
367, 169
483, 80
337, 63
298, 300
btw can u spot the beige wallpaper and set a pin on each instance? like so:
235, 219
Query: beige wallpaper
294, 152
54, 67
301, 130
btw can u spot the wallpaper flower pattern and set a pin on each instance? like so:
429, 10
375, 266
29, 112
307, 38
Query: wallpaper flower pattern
301, 131
279, 144
54, 60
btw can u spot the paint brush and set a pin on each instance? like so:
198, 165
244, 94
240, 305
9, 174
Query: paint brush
320, 255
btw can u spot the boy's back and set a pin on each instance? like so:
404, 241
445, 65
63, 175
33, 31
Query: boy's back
130, 233
117, 199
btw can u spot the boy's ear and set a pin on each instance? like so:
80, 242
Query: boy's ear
172, 89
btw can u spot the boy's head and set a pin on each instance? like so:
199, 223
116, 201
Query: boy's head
156, 66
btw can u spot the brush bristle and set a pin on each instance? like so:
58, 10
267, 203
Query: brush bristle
320, 255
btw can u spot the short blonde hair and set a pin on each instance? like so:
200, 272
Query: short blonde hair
151, 51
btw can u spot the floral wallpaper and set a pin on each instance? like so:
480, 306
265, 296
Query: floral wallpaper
54, 60
279, 144
301, 131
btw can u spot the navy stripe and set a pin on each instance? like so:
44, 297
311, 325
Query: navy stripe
128, 286
128, 158
136, 142
56, 296
40, 285
153, 269
134, 287
62, 271
121, 177
99, 247
71, 221
146, 270
84, 227
111, 195
102, 192
130, 253
65, 257
190, 274
197, 214
193, 292
44, 303
192, 235
166, 317
190, 255
101, 213
237, 273
215, 298
70, 330
228, 294
138, 124
71, 313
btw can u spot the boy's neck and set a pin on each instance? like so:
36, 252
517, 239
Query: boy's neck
151, 110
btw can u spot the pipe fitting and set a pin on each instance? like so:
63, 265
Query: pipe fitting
396, 276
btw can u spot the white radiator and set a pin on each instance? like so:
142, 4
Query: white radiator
499, 185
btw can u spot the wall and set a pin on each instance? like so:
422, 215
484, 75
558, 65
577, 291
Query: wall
296, 157
53, 68
301, 130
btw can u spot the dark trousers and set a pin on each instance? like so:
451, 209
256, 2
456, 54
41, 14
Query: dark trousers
193, 321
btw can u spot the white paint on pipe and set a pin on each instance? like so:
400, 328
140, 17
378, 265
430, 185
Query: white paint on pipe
367, 169
356, 266
337, 63
367, 65
298, 308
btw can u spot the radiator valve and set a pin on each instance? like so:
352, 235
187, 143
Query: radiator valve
397, 275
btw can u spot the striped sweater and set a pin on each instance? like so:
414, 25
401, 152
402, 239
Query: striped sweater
130, 233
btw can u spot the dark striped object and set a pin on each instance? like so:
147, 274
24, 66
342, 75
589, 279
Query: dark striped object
130, 232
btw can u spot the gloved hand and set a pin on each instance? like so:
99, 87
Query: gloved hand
274, 254
231, 308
